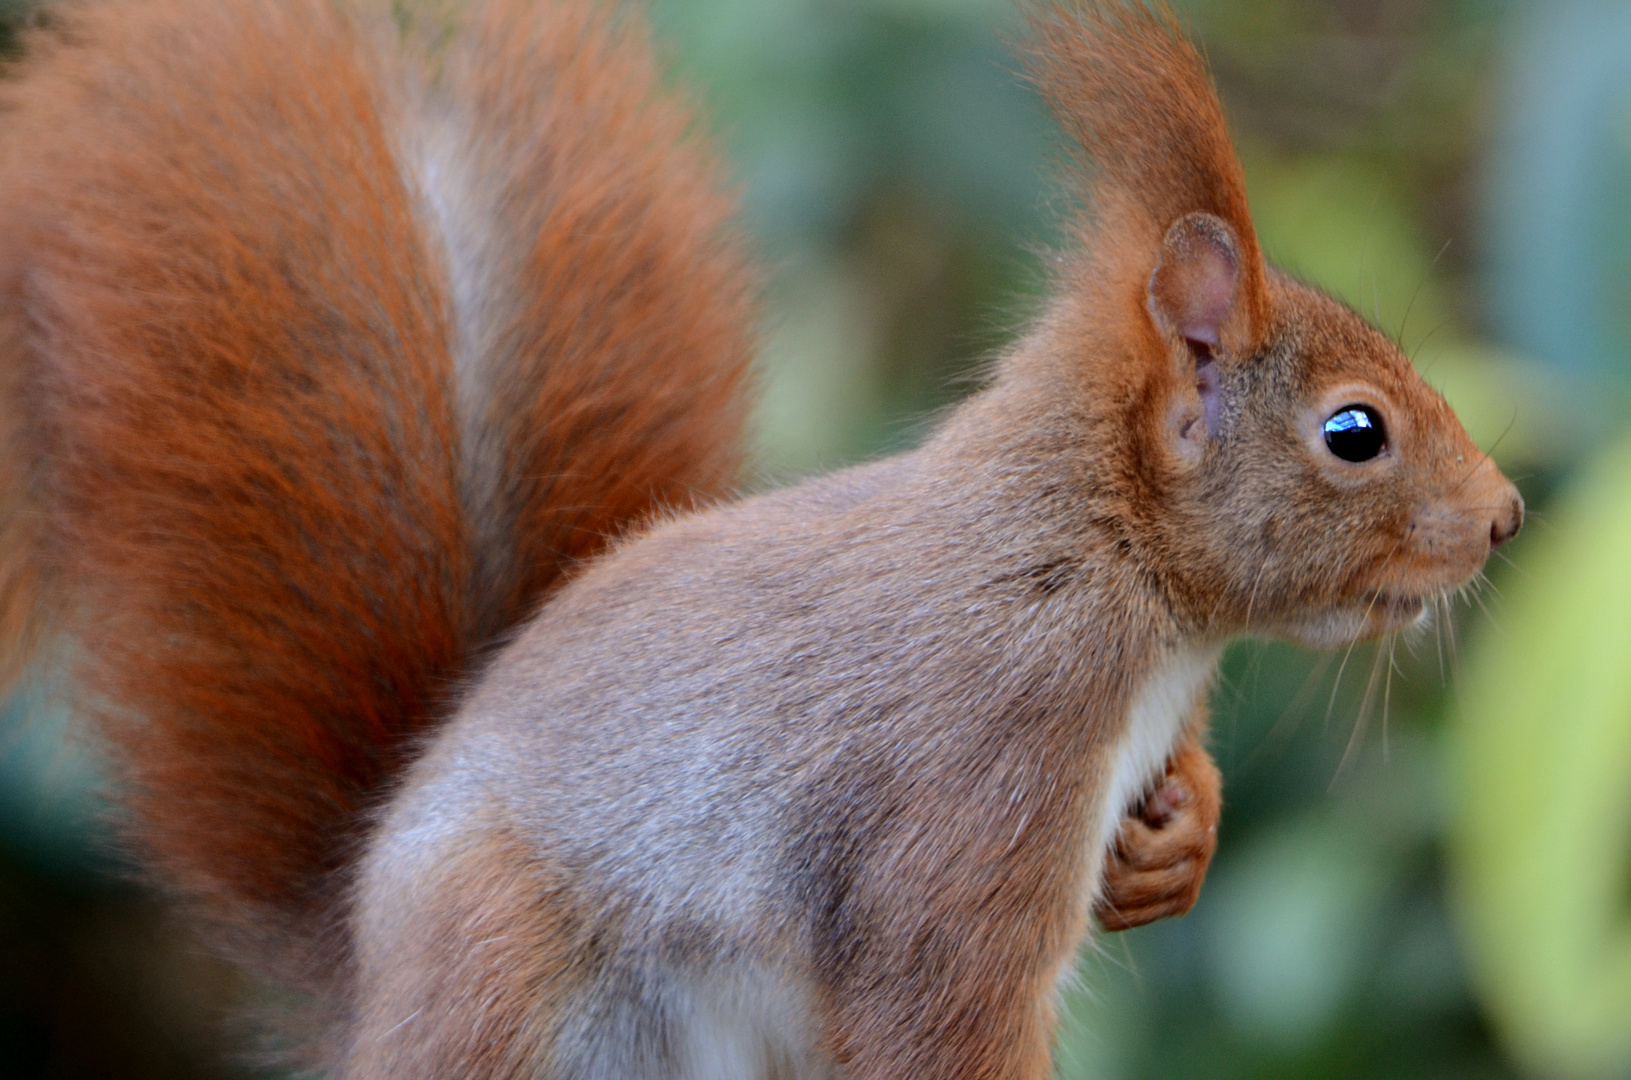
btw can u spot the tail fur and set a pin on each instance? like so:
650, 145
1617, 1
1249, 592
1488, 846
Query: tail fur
330, 339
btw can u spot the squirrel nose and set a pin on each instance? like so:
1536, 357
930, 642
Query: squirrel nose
1507, 523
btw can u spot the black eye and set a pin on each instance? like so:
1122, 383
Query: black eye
1354, 433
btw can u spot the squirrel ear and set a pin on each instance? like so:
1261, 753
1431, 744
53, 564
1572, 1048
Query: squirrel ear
1195, 288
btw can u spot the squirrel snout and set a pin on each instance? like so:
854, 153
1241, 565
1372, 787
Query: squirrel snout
1459, 532
1507, 521
1487, 492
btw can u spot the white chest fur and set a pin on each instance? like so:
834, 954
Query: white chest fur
1154, 720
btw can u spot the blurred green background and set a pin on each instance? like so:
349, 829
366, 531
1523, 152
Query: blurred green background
1425, 865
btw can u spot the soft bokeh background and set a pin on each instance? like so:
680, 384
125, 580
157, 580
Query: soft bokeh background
1425, 867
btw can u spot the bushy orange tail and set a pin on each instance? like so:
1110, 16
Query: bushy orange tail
331, 338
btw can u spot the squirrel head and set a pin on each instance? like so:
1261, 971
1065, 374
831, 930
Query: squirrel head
1285, 470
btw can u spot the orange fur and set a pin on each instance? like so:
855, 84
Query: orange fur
235, 369
615, 363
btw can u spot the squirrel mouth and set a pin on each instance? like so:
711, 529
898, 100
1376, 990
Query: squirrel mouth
1366, 616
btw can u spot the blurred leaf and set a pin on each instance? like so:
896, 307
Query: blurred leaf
1340, 223
1560, 190
1542, 840
1514, 408
822, 400
1291, 922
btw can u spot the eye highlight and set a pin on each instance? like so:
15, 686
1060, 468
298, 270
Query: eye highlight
1354, 433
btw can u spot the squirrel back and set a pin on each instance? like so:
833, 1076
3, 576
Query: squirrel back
331, 339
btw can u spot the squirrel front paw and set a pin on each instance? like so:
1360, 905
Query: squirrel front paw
1159, 859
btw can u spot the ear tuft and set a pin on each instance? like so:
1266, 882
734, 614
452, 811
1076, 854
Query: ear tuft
1196, 283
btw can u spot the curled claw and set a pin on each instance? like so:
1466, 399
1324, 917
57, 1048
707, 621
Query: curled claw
1158, 862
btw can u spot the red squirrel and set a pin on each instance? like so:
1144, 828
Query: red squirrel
374, 379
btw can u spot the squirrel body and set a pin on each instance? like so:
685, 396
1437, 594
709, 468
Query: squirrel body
368, 374
773, 834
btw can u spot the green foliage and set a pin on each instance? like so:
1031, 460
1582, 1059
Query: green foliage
1542, 841
896, 177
